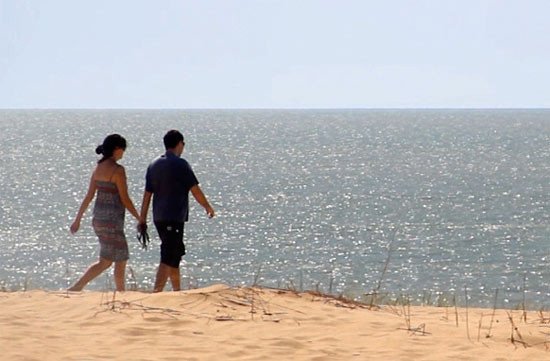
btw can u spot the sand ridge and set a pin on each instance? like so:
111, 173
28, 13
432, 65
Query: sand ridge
252, 323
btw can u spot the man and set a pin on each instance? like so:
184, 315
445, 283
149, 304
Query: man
168, 181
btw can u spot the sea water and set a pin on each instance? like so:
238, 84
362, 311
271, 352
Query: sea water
419, 203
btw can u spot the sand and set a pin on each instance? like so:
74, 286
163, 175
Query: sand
223, 323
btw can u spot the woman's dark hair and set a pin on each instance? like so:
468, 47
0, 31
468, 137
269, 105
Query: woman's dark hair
109, 145
172, 138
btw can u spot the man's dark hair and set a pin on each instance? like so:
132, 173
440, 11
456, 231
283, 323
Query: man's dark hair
172, 138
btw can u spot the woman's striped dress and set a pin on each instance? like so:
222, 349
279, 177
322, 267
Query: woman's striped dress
108, 222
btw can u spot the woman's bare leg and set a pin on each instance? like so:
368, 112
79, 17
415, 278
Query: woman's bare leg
120, 273
92, 272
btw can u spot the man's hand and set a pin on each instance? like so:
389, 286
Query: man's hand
201, 198
142, 228
210, 211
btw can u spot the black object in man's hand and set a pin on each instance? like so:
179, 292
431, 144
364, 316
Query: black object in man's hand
143, 236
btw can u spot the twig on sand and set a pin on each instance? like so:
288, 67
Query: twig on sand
479, 327
338, 301
257, 276
420, 329
467, 322
376, 291
493, 315
542, 318
456, 309
524, 314
407, 313
133, 285
119, 306
516, 331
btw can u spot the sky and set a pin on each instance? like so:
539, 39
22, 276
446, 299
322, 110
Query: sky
274, 54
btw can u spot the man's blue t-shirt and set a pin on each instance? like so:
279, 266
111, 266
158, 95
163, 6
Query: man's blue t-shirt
170, 178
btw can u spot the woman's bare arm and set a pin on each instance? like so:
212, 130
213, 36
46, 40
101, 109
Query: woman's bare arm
122, 186
85, 203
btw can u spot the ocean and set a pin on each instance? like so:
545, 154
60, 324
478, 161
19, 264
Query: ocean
424, 204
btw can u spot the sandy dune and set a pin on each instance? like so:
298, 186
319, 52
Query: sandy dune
223, 323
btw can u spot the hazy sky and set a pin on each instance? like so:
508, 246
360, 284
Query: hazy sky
274, 53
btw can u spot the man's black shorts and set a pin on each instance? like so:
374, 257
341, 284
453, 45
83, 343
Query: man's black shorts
171, 247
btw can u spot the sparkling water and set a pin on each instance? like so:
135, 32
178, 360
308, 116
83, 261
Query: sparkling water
422, 203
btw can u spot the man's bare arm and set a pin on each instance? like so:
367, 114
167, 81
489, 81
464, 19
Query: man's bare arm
145, 205
201, 199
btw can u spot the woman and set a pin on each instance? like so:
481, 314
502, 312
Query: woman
109, 181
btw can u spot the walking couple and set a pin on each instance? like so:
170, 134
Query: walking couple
168, 181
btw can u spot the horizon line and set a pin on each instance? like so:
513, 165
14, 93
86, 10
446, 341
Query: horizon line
280, 108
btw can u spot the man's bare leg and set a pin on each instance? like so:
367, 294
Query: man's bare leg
162, 276
175, 278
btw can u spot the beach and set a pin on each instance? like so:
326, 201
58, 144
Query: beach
250, 323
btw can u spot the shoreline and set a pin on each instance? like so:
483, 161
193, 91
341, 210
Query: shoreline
252, 323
